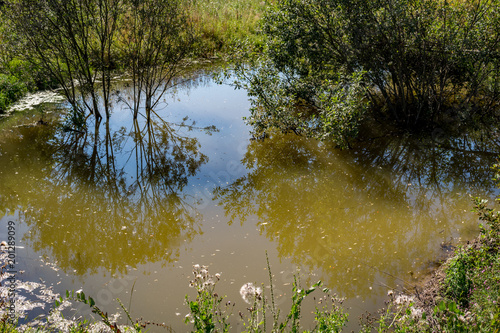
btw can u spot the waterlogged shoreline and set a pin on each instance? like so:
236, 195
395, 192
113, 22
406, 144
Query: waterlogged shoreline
463, 293
19, 298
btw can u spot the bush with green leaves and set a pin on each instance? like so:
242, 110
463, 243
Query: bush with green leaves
424, 61
324, 108
458, 281
11, 89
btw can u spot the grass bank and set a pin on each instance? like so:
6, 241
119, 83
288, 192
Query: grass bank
463, 295
18, 77
11, 90
224, 27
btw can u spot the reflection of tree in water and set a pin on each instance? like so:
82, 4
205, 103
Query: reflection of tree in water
197, 78
382, 205
110, 203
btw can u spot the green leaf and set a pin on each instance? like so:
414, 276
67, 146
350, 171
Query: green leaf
82, 297
310, 290
194, 307
452, 306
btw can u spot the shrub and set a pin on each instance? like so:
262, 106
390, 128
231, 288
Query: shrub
327, 109
11, 89
458, 282
424, 60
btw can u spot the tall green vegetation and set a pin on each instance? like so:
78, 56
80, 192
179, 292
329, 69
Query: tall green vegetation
73, 41
209, 314
422, 60
82, 42
11, 89
224, 27
155, 39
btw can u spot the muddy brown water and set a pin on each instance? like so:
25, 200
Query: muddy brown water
127, 217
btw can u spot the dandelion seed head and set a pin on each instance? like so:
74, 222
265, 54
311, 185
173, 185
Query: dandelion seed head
249, 292
416, 313
403, 300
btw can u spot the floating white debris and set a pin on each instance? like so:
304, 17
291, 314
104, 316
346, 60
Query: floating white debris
31, 100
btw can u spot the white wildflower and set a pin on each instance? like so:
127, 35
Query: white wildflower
403, 300
190, 318
416, 313
250, 293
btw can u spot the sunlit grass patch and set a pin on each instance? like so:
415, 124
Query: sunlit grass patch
223, 25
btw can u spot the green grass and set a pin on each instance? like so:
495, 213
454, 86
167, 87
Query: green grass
223, 26
469, 295
458, 284
477, 281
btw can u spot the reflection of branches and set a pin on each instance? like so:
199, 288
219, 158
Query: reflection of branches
88, 209
380, 205
132, 98
158, 150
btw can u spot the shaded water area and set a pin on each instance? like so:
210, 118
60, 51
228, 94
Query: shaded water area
138, 207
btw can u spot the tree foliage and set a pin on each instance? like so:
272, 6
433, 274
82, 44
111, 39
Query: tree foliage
155, 40
82, 42
324, 108
422, 60
73, 41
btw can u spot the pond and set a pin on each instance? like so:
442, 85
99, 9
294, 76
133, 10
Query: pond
128, 214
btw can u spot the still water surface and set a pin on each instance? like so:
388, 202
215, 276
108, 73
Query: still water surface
138, 209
